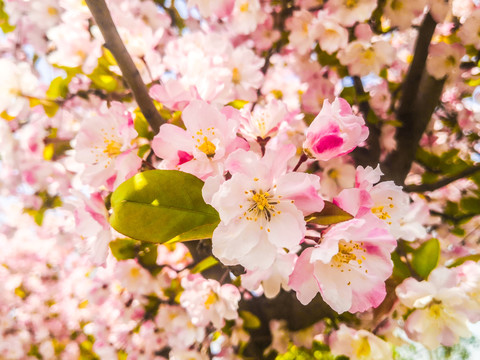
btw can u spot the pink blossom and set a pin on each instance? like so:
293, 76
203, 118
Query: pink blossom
351, 11
262, 207
444, 59
349, 267
207, 8
335, 131
365, 57
108, 151
440, 315
207, 301
202, 148
264, 122
359, 344
384, 204
274, 278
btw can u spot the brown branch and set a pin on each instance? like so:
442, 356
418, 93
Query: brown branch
420, 96
113, 42
417, 67
371, 155
442, 182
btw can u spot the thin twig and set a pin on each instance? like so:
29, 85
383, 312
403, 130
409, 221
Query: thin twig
442, 182
113, 42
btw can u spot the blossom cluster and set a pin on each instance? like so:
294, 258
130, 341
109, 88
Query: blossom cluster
272, 106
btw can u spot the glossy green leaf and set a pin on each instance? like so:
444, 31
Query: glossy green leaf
331, 214
250, 321
400, 269
471, 205
425, 258
4, 25
205, 264
58, 87
159, 205
461, 260
123, 249
238, 104
198, 233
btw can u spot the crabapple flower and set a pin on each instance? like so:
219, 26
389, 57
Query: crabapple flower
349, 267
359, 344
364, 57
469, 33
384, 204
444, 59
177, 328
274, 278
202, 148
301, 31
133, 276
335, 131
440, 313
18, 83
207, 301
173, 94
207, 8
347, 12
264, 122
261, 207
108, 151
402, 12
469, 275
246, 74
246, 15
330, 34
91, 220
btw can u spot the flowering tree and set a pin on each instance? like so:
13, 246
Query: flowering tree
236, 179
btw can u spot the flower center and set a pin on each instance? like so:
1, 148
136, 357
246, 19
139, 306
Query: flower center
362, 348
346, 254
380, 211
396, 5
52, 11
207, 147
435, 310
244, 7
262, 204
351, 3
203, 143
112, 148
211, 299
236, 78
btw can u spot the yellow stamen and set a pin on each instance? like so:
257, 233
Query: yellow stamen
207, 147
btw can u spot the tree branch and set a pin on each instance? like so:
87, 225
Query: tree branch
420, 96
371, 155
113, 42
442, 182
417, 67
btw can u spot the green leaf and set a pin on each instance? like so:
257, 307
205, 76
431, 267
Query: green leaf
238, 104
198, 233
4, 25
205, 264
58, 88
141, 125
159, 205
250, 321
425, 258
400, 269
331, 214
461, 260
471, 205
142, 150
147, 256
123, 249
